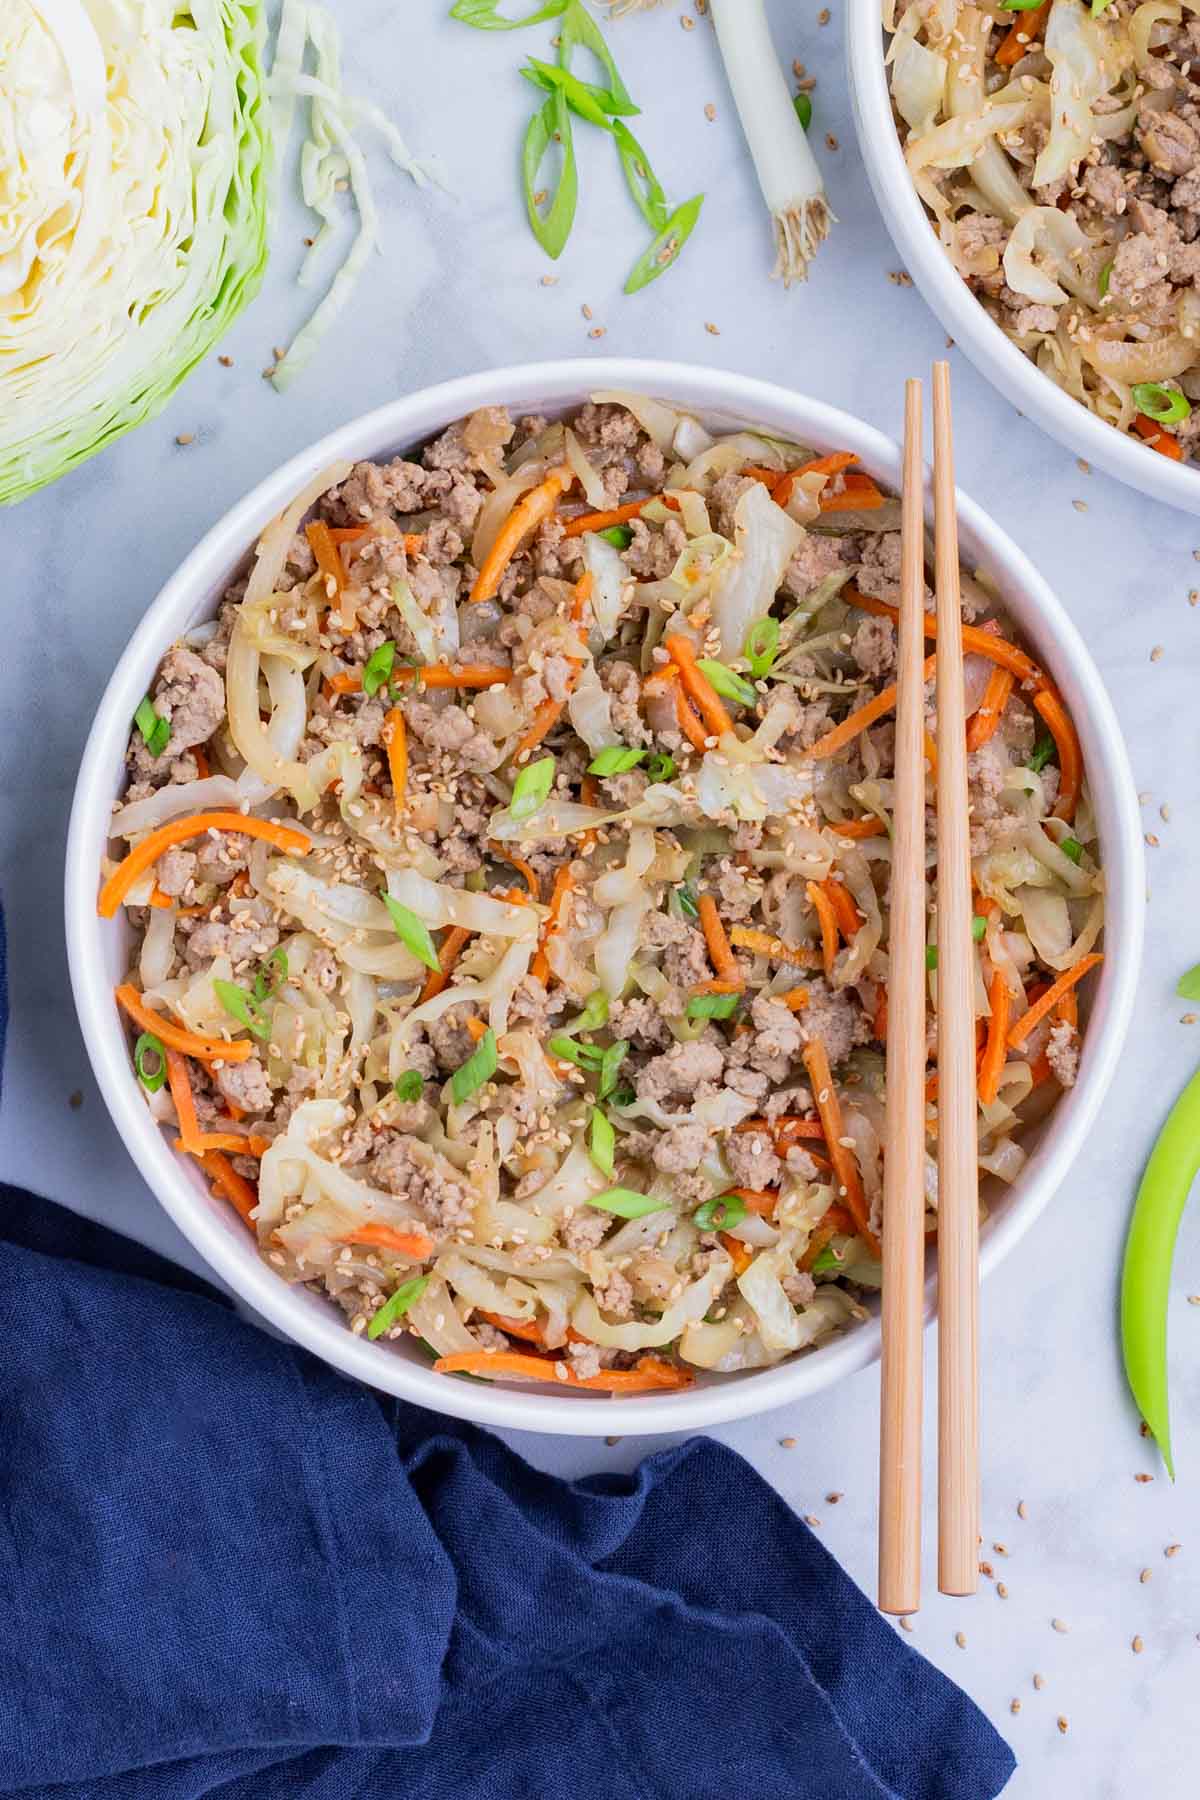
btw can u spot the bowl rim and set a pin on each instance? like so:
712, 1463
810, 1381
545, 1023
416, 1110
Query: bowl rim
1004, 365
188, 593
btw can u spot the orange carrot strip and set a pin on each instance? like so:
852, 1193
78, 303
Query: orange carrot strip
185, 1103
975, 639
329, 560
1157, 438
201, 761
845, 1164
532, 1331
433, 675
701, 690
174, 1037
395, 738
1037, 1012
983, 724
829, 925
859, 494
231, 1186
521, 523
717, 987
1066, 1007
232, 1141
930, 753
833, 464
587, 797
719, 953
879, 1023
476, 1029
651, 1372
448, 953
1022, 36
386, 1237
526, 869
871, 826
789, 1125
545, 718
1057, 721
689, 724
991, 1065
580, 595
159, 899
178, 831
762, 943
849, 919
741, 1253
601, 521
760, 1201
413, 541
563, 883
795, 999
861, 718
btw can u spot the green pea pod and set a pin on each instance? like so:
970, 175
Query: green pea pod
1149, 1253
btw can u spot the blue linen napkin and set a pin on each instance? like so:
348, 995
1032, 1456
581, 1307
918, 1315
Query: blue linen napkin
225, 1570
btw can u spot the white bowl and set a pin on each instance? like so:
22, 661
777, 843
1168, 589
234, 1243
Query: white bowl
98, 949
1006, 367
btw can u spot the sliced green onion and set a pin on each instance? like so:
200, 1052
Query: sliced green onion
979, 928
578, 27
1043, 751
623, 1095
614, 760
713, 1006
241, 1006
661, 767
640, 179
595, 1012
803, 106
688, 900
627, 1203
409, 1086
1189, 985
659, 256
720, 1213
602, 1142
582, 98
1073, 848
394, 1309
760, 647
149, 1045
1105, 273
155, 730
610, 1062
1020, 5
567, 1050
532, 787
377, 670
619, 536
1166, 406
550, 124
479, 1067
828, 1259
1098, 7
726, 683
413, 933
271, 977
931, 956
485, 16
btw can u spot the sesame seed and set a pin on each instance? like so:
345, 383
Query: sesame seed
688, 23
1002, 1590
1039, 1682
610, 1441
832, 1500
549, 281
960, 1638
1156, 655
1062, 1724
1022, 1510
226, 362
831, 142
1137, 1646
1152, 839
597, 331
186, 437
1194, 596
1060, 1625
586, 310
812, 1519
712, 330
1014, 1706
1142, 1477
787, 1443
1000, 1549
1192, 1299
1145, 1576
823, 17
1085, 468
906, 1623
1172, 1549
1080, 505
710, 112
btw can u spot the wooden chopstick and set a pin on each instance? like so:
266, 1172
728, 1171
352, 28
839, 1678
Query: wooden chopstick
901, 1378
958, 1166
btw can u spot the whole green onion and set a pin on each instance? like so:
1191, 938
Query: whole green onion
602, 1142
409, 1086
394, 1309
614, 760
713, 1006
149, 1045
532, 787
413, 933
720, 1214
723, 681
479, 1067
1166, 406
377, 670
761, 647
627, 1203
155, 730
241, 1006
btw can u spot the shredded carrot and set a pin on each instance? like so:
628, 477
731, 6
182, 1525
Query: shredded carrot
433, 675
719, 953
395, 738
232, 1141
991, 1065
231, 1186
476, 1029
861, 718
983, 724
177, 831
698, 687
185, 1103
174, 1037
1157, 438
930, 753
159, 900
504, 854
651, 1372
845, 1165
386, 1237
782, 486
1046, 1003
717, 987
859, 494
545, 718
201, 761
1066, 1007
741, 1253
795, 999
760, 1201
871, 826
975, 639
531, 1331
879, 1021
822, 1235
413, 541
603, 521
1021, 37
691, 727
522, 521
1057, 721
848, 917
788, 1128
827, 919
587, 797
449, 951
329, 560
580, 595
745, 937
563, 882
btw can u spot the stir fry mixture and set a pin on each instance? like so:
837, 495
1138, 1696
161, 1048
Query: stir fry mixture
1057, 148
508, 865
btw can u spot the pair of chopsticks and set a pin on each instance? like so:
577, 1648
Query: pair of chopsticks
904, 1166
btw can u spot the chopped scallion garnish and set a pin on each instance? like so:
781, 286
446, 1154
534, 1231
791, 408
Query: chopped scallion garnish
532, 787
720, 1213
761, 646
479, 1067
827, 1260
550, 124
979, 928
1105, 278
271, 977
155, 730
595, 1012
602, 1142
377, 670
151, 1073
393, 1310
614, 759
1043, 750
661, 767
582, 98
723, 681
664, 251
1072, 847
688, 901
642, 182
409, 1086
1166, 406
619, 536
610, 1062
931, 956
803, 106
412, 932
713, 1006
578, 27
242, 1006
485, 15
623, 1095
627, 1203
1189, 984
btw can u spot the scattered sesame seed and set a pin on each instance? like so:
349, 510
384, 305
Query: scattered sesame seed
832, 1500
712, 330
1145, 1576
900, 278
1152, 839
1062, 1724
787, 1443
906, 1623
811, 1519
1156, 655
1193, 1299
1022, 1510
549, 281
1000, 1549
710, 112
831, 142
75, 1100
985, 1568
586, 310
1172, 1549
823, 17
226, 362
1194, 596
186, 437
1080, 505
1014, 1706
1142, 1477
1085, 468
610, 1441
960, 1638
688, 23
597, 331
1002, 1590
1137, 1646
1039, 1682
1060, 1625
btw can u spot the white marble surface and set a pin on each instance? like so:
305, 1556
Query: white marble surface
457, 288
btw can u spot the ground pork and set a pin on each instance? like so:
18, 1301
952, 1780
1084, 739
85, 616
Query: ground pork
835, 1017
449, 730
813, 561
608, 428
794, 1099
800, 1288
654, 551
190, 693
879, 570
740, 893
584, 1229
174, 870
243, 938
680, 1149
640, 1021
775, 1039
245, 1084
681, 1071
752, 1159
614, 1295
652, 1277
624, 687
219, 859
874, 647
685, 961
433, 1186
1062, 1053
452, 1042
1105, 189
